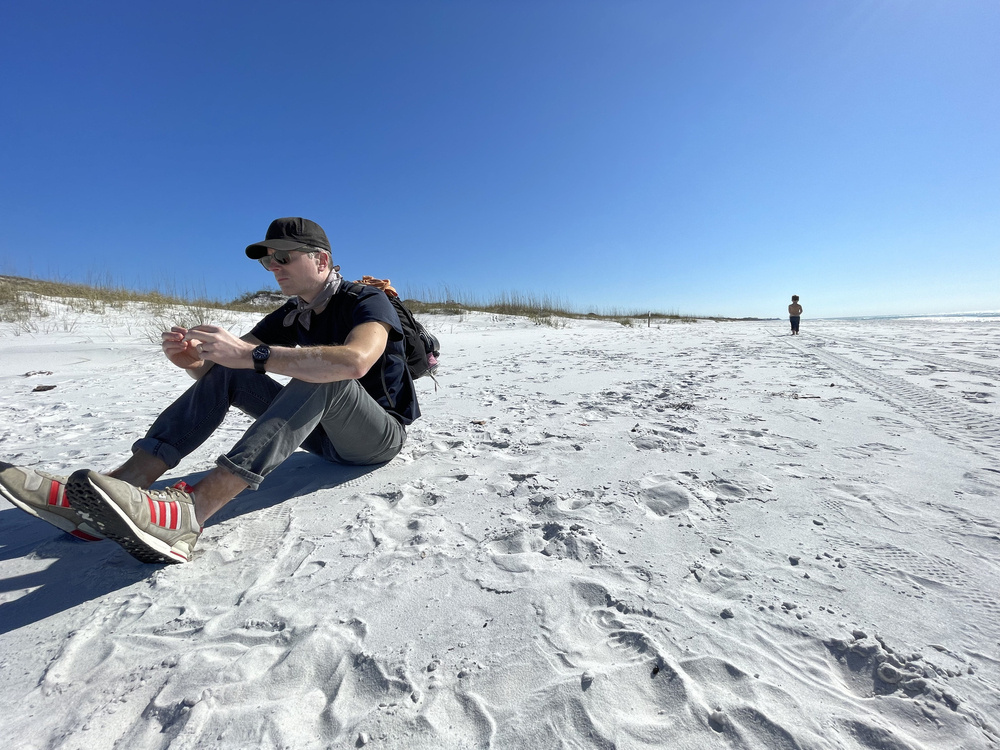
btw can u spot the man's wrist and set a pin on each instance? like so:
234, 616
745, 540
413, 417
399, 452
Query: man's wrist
260, 357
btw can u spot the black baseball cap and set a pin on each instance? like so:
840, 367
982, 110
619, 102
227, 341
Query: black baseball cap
290, 234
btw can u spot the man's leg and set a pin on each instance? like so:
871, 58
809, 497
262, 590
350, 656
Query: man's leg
338, 421
214, 492
141, 469
188, 422
183, 426
216, 489
341, 421
163, 525
366, 434
191, 419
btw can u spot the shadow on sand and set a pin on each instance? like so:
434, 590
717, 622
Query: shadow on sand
63, 572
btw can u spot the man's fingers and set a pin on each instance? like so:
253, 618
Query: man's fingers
203, 333
204, 329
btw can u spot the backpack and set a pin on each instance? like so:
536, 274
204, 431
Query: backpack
421, 347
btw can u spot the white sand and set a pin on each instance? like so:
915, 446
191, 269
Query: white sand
689, 536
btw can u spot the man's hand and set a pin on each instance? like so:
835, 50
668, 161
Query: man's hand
214, 344
180, 350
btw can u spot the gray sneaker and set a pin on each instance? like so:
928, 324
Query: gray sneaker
44, 496
154, 526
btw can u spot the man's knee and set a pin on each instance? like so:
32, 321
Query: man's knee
325, 393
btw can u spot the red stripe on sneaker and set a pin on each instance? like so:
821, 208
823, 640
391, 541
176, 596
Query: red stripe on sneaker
57, 494
165, 514
85, 536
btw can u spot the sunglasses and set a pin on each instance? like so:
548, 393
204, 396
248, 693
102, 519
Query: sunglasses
281, 257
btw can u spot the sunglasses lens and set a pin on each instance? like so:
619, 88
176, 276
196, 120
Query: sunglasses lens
280, 257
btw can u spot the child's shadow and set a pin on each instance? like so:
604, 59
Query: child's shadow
61, 572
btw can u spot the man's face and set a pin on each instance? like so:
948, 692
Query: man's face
301, 275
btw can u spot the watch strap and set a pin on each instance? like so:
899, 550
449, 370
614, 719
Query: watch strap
260, 357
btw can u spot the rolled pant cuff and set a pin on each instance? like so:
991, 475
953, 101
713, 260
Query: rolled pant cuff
249, 477
163, 451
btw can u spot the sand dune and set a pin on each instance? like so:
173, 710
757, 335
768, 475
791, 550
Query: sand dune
686, 536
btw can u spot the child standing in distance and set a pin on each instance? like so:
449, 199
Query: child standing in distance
794, 314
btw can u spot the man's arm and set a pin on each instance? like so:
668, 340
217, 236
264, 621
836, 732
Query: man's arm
326, 364
312, 364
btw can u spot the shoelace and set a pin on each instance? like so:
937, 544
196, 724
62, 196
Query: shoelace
185, 487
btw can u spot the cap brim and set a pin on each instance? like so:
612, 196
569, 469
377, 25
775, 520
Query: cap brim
259, 249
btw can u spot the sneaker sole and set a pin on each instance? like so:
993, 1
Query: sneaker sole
100, 510
55, 519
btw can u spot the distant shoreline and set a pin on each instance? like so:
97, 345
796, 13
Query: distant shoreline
987, 314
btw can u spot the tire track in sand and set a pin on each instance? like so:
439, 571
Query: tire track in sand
950, 420
946, 363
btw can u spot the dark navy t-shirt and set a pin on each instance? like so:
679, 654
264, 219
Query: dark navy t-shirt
388, 381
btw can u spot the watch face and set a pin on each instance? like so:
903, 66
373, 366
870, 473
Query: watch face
260, 355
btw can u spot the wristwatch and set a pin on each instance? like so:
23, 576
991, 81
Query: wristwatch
260, 356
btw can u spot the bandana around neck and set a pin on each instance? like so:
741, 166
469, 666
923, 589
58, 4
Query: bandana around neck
303, 310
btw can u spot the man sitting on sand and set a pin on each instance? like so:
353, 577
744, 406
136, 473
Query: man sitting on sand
349, 401
795, 314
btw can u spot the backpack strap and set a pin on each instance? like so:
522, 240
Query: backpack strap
420, 348
353, 288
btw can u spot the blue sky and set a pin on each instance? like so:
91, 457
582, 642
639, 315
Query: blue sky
703, 157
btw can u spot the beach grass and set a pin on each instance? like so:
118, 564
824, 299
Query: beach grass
542, 309
26, 305
21, 304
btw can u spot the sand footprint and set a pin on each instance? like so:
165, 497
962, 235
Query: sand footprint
512, 551
663, 494
738, 485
